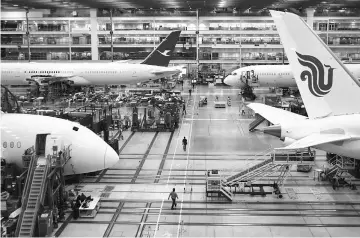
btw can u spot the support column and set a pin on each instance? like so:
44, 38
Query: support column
310, 17
27, 32
197, 45
111, 35
94, 36
70, 40
240, 45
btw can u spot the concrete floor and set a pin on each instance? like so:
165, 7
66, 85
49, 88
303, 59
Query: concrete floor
134, 192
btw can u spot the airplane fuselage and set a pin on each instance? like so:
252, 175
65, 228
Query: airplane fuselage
89, 152
342, 124
279, 76
82, 74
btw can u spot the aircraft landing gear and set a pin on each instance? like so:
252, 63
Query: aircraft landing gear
247, 93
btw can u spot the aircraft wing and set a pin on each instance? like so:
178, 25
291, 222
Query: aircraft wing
315, 139
122, 61
274, 115
69, 79
166, 71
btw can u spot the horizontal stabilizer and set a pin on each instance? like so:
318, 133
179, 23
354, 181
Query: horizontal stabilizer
315, 139
274, 115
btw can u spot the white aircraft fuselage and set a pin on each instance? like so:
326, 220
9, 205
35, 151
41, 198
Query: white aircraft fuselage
82, 74
342, 124
279, 76
89, 152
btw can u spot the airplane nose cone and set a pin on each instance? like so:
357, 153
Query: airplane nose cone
111, 157
227, 81
230, 80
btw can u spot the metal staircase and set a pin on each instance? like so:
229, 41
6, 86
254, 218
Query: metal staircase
229, 195
284, 172
253, 166
268, 164
250, 172
37, 189
343, 162
258, 120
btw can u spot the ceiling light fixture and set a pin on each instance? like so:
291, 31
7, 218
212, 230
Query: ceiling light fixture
15, 5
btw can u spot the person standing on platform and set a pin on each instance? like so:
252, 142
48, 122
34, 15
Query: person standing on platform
190, 92
173, 196
184, 109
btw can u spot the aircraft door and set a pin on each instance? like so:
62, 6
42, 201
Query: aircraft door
134, 74
40, 144
17, 73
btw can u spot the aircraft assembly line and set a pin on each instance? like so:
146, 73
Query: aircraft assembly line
103, 155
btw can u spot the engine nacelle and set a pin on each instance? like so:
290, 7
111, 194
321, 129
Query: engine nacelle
287, 141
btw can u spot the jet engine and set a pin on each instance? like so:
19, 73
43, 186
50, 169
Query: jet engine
287, 140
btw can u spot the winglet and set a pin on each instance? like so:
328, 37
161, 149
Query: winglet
324, 82
161, 55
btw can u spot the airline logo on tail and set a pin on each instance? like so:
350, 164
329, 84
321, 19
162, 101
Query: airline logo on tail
165, 53
316, 78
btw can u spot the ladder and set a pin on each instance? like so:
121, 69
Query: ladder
259, 119
284, 172
35, 198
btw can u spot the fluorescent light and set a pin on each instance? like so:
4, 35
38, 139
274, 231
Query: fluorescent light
15, 5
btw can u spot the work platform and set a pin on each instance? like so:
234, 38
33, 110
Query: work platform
134, 193
260, 167
43, 191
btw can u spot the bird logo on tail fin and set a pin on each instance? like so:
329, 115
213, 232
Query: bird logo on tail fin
165, 53
316, 78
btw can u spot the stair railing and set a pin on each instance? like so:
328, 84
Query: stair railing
250, 161
26, 191
249, 164
41, 195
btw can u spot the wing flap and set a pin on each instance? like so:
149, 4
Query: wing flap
274, 115
315, 139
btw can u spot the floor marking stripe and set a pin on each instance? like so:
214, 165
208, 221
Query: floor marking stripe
181, 223
170, 171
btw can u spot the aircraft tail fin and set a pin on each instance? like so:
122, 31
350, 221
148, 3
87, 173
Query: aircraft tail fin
326, 86
161, 55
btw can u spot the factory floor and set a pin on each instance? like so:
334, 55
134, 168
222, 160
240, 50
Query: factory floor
134, 193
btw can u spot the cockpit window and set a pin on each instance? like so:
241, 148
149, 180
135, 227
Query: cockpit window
75, 128
234, 73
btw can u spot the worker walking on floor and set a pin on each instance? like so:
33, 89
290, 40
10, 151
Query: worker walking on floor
173, 196
190, 92
184, 109
184, 142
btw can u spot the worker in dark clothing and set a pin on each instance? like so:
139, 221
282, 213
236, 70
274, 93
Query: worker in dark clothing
173, 196
75, 208
184, 142
190, 92
82, 197
184, 109
193, 85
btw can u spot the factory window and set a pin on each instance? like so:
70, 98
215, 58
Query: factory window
18, 144
5, 144
12, 144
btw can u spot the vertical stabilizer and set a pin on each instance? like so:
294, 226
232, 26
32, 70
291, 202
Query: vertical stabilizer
326, 86
161, 55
